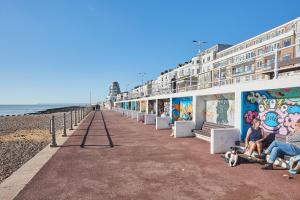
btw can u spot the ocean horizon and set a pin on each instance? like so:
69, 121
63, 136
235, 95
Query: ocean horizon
21, 109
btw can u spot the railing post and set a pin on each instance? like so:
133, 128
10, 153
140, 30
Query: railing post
78, 116
75, 118
80, 113
71, 121
65, 128
53, 144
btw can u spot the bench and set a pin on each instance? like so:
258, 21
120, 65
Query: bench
282, 160
206, 129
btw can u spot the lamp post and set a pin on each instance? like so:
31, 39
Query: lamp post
142, 75
200, 43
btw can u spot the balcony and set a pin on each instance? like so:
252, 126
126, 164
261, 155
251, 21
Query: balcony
211, 78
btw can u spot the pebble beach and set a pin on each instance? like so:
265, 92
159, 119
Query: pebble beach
22, 137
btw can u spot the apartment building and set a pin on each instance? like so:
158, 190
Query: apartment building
207, 59
261, 57
274, 53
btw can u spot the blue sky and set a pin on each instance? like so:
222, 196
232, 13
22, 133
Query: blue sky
56, 51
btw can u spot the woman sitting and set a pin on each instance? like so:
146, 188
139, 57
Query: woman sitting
254, 139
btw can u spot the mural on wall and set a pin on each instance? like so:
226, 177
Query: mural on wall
152, 106
133, 105
278, 109
126, 105
163, 106
182, 108
137, 106
220, 109
143, 106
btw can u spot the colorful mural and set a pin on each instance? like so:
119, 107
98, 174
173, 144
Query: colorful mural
152, 107
182, 108
220, 109
143, 106
133, 105
137, 106
163, 106
126, 105
278, 109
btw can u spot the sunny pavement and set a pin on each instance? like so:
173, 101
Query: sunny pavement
148, 164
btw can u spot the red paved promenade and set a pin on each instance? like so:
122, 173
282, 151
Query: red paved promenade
148, 164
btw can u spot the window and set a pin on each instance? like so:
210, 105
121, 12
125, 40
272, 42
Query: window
259, 64
287, 57
287, 42
247, 55
260, 51
249, 68
208, 58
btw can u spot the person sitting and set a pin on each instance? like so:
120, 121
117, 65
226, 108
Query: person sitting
254, 138
278, 148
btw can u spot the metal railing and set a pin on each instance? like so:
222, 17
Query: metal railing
76, 115
225, 76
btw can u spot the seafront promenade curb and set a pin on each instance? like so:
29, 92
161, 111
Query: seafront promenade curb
11, 186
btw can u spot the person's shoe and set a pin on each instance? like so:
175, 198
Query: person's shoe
268, 166
293, 171
266, 152
261, 157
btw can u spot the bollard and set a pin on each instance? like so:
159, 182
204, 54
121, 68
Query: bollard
71, 121
78, 116
53, 144
65, 128
50, 127
75, 118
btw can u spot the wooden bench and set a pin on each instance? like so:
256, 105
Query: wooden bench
207, 127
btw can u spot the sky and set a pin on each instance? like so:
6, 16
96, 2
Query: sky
57, 51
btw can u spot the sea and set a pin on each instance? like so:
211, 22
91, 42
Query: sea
25, 109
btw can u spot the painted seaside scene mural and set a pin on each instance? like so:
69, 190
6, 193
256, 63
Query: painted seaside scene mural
182, 108
278, 109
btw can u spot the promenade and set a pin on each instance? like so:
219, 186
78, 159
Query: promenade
130, 160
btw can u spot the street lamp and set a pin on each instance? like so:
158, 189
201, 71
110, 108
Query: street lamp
142, 75
200, 43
